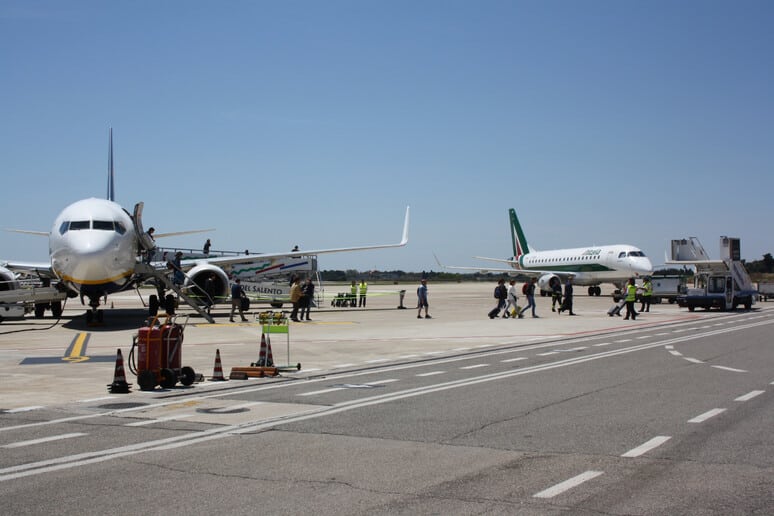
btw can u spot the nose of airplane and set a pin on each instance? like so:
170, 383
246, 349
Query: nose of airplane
92, 257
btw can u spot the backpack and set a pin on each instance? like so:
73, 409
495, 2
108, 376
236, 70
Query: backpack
525, 289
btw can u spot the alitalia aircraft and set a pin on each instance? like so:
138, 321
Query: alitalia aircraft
589, 266
95, 249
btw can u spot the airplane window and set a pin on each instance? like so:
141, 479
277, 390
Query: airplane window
63, 227
80, 224
120, 229
622, 255
104, 225
636, 253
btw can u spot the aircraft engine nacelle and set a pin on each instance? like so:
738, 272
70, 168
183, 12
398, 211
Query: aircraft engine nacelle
198, 276
8, 280
546, 281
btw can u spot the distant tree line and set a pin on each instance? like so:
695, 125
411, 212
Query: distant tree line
762, 266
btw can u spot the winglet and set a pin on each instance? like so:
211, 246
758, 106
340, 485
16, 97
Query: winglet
404, 239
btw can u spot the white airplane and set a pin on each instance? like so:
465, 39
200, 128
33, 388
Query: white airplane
95, 249
589, 266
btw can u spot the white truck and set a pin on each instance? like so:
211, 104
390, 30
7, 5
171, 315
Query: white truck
765, 290
20, 297
667, 287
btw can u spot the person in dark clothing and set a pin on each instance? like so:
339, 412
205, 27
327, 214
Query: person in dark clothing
530, 293
567, 303
308, 292
236, 300
556, 294
501, 294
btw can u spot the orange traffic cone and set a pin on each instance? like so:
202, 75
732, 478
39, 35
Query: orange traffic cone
264, 355
217, 373
119, 385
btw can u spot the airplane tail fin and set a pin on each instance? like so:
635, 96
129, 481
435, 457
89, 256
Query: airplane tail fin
111, 194
518, 239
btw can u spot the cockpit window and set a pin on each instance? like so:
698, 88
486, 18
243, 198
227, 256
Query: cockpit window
120, 229
622, 255
63, 227
636, 253
80, 224
104, 225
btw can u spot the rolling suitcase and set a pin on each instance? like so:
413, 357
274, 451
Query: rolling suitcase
616, 308
495, 312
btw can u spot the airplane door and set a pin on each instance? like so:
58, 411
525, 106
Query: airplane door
146, 242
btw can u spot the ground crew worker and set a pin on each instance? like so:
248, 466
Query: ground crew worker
363, 291
631, 297
647, 294
353, 294
236, 300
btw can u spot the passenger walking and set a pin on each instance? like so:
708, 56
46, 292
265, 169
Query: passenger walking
363, 292
556, 294
567, 303
353, 294
647, 294
422, 300
236, 300
295, 298
529, 291
308, 291
209, 291
500, 294
512, 299
631, 297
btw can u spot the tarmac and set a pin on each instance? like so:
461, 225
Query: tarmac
45, 362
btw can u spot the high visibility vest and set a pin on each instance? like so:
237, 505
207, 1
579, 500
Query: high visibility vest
363, 288
631, 293
353, 289
648, 287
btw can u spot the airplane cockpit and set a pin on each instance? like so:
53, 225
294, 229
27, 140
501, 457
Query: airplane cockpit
100, 225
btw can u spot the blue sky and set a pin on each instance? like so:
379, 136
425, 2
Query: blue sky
316, 122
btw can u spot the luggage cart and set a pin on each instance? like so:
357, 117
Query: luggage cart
277, 323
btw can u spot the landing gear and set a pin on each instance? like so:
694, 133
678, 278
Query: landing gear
595, 290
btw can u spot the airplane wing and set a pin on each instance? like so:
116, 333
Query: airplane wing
178, 233
229, 260
39, 269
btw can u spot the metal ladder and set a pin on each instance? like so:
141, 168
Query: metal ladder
161, 275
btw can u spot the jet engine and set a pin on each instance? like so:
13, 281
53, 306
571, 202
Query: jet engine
198, 276
8, 280
546, 280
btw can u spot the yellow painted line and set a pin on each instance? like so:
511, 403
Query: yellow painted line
75, 353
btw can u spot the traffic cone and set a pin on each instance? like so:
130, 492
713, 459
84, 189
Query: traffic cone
264, 355
217, 373
119, 385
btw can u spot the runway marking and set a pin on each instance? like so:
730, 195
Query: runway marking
513, 359
376, 361
77, 349
676, 353
323, 391
602, 344
43, 440
431, 373
548, 353
647, 446
407, 356
475, 366
159, 420
750, 395
24, 409
622, 341
339, 366
694, 360
733, 370
709, 414
568, 484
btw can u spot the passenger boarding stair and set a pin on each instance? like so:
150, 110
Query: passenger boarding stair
163, 276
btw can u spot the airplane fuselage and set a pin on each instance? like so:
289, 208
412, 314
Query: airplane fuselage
93, 247
590, 265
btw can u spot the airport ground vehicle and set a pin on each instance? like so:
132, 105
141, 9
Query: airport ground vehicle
765, 290
667, 288
717, 290
22, 296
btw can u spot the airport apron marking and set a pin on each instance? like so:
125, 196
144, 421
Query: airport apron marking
75, 354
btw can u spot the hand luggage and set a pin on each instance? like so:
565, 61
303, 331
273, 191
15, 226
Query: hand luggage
616, 308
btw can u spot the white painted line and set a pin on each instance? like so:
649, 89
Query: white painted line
643, 337
750, 395
567, 484
475, 366
310, 370
669, 347
324, 391
622, 340
376, 361
159, 420
694, 360
662, 334
602, 344
382, 382
43, 440
408, 356
646, 447
24, 409
433, 352
548, 353
710, 413
461, 349
432, 373
676, 353
103, 398
733, 370
513, 359
342, 365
